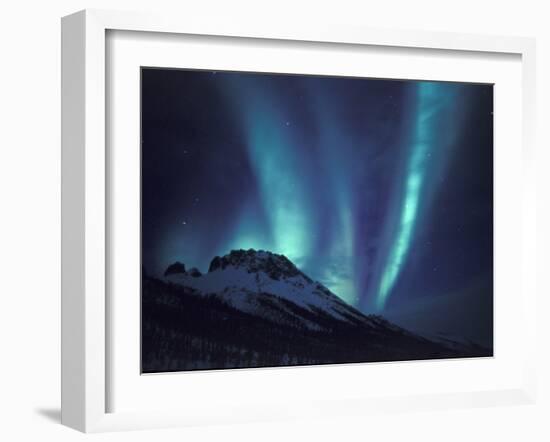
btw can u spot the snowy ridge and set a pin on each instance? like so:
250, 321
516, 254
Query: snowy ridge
246, 280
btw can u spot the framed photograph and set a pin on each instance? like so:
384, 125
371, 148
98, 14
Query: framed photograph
304, 220
264, 222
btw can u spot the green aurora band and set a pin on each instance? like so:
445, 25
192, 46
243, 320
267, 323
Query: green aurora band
434, 105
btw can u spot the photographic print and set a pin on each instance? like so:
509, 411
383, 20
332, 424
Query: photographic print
304, 219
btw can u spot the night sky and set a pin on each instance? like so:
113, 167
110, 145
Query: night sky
379, 189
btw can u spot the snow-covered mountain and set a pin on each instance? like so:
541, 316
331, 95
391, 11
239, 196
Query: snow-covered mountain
269, 285
256, 308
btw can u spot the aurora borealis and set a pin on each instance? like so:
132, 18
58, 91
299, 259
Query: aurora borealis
435, 103
379, 189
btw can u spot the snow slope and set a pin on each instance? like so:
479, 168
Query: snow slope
241, 277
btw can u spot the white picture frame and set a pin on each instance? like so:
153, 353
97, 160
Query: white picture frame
85, 206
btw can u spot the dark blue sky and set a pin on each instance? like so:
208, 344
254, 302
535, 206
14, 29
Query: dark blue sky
380, 189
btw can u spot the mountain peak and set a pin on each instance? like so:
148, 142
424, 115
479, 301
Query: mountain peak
276, 266
252, 280
175, 268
